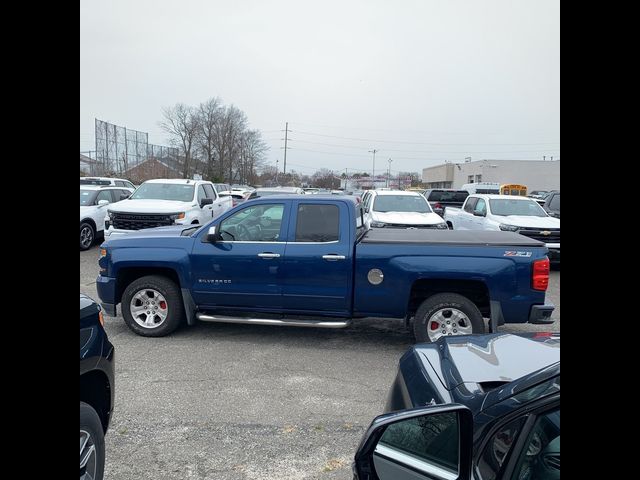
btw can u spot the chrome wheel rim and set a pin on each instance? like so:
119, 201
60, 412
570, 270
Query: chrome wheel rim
88, 461
149, 308
86, 236
448, 322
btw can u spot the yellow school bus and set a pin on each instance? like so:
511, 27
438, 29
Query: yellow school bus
513, 189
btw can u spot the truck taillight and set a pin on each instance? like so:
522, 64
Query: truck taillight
540, 275
437, 205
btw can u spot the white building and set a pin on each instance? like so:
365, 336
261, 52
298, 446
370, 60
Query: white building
535, 174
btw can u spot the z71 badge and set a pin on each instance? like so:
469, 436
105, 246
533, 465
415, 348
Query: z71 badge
512, 253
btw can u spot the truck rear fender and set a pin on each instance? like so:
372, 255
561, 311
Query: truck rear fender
474, 290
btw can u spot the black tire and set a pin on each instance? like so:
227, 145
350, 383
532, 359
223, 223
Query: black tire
87, 235
91, 432
440, 302
450, 225
175, 307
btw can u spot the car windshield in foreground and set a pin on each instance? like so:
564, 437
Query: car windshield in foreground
86, 197
506, 207
401, 203
446, 196
164, 191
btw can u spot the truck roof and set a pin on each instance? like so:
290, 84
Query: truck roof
184, 181
449, 237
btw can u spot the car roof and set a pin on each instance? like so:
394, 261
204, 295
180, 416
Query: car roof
100, 187
180, 181
300, 196
104, 178
396, 192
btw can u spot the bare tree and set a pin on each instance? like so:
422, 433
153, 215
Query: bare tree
209, 113
325, 178
181, 122
252, 151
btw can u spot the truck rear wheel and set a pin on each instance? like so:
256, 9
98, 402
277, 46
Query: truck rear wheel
152, 306
446, 314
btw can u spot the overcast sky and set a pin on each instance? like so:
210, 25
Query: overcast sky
421, 81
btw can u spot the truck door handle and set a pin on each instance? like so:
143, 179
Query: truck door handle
333, 257
269, 255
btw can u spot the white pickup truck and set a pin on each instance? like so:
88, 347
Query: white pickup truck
508, 213
163, 202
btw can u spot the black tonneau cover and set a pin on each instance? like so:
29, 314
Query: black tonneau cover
450, 237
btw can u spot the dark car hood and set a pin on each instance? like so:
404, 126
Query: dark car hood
489, 359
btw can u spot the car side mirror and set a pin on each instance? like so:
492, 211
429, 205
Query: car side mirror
206, 201
479, 213
212, 235
102, 203
429, 442
124, 196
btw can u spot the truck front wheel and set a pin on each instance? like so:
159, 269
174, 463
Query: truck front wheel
152, 306
446, 314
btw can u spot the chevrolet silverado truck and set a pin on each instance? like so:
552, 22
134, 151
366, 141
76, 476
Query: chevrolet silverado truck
475, 407
507, 213
309, 261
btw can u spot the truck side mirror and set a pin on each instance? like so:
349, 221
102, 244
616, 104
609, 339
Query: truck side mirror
102, 203
444, 433
212, 235
206, 201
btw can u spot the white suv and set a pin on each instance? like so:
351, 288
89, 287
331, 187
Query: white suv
399, 209
107, 181
93, 206
162, 202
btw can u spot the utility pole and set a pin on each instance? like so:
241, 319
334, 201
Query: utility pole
373, 171
277, 183
286, 131
389, 172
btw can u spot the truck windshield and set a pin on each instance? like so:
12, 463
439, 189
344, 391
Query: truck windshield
164, 191
401, 203
516, 207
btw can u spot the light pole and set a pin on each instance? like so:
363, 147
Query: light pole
373, 171
389, 172
277, 172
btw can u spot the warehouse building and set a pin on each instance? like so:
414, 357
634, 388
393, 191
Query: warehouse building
535, 174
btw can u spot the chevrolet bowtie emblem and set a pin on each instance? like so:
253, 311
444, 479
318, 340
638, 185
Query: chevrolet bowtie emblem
545, 233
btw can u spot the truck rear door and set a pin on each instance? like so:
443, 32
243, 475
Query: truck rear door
318, 264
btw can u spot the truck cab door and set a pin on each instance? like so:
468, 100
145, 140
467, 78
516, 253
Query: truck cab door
318, 263
217, 207
242, 269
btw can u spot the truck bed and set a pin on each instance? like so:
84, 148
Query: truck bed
449, 237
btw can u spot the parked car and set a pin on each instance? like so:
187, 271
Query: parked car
440, 198
399, 209
242, 189
107, 181
304, 260
97, 388
239, 197
552, 203
267, 191
508, 213
474, 407
165, 202
93, 205
538, 194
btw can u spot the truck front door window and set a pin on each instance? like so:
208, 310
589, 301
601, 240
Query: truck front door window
260, 223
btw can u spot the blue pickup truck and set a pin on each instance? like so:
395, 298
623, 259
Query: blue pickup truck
310, 261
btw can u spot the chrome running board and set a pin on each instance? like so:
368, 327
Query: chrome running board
318, 323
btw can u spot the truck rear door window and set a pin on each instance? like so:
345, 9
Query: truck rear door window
317, 223
470, 205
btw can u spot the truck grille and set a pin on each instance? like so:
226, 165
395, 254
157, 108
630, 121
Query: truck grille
139, 221
553, 235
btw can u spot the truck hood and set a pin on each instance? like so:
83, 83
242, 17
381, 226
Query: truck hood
157, 232
150, 206
490, 358
407, 218
528, 221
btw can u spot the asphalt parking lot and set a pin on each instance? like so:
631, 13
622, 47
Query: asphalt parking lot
223, 401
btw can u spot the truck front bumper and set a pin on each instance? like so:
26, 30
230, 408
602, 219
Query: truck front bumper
541, 314
106, 287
